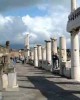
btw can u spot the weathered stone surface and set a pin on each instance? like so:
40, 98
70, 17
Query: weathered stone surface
36, 84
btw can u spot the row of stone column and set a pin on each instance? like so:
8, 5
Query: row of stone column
42, 56
66, 67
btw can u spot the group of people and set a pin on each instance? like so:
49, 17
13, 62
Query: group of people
55, 60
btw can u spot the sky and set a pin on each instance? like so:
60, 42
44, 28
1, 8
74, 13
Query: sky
42, 19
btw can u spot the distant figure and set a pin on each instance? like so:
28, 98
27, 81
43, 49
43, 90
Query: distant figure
14, 61
55, 60
23, 59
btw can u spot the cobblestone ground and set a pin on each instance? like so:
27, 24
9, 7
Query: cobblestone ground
36, 84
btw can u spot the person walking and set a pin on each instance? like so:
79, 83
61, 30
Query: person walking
55, 60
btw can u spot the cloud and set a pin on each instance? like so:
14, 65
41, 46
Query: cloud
40, 27
11, 28
53, 23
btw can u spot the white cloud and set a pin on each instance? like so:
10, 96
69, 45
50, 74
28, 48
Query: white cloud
11, 28
53, 24
40, 27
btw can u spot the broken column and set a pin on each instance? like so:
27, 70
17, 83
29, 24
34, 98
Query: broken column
63, 55
39, 51
48, 55
43, 57
35, 57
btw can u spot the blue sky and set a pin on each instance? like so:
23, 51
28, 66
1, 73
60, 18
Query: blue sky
42, 19
32, 11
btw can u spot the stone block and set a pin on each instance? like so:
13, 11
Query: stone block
4, 81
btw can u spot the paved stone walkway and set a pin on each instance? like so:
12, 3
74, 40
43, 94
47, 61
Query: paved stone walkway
36, 84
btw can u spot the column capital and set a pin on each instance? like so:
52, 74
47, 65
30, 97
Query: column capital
39, 45
35, 47
53, 39
47, 41
75, 31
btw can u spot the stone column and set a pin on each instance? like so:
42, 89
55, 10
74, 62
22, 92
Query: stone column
43, 56
32, 55
27, 47
63, 54
35, 57
54, 45
73, 5
39, 51
75, 66
48, 52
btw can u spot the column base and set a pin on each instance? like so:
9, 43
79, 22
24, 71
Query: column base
75, 73
62, 66
14, 88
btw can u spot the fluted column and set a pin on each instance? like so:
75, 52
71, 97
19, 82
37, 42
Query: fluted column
43, 56
39, 52
48, 51
75, 66
54, 45
35, 57
63, 54
32, 55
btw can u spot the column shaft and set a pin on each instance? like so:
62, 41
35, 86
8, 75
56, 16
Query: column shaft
63, 54
35, 57
39, 50
48, 51
32, 55
43, 53
54, 45
73, 5
75, 68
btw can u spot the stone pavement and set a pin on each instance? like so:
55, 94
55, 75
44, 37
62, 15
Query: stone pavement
36, 84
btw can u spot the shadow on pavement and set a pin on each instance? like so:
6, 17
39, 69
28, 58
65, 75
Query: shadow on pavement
50, 90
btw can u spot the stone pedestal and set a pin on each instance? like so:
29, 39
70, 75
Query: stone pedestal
35, 57
4, 81
62, 55
75, 67
12, 82
9, 82
48, 55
